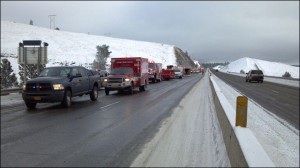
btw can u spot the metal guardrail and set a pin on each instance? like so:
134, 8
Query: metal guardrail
11, 90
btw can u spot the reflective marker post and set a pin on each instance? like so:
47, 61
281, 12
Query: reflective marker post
241, 111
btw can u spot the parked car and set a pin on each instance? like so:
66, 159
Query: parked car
255, 75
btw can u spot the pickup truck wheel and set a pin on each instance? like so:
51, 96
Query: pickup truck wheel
67, 99
30, 105
94, 93
106, 92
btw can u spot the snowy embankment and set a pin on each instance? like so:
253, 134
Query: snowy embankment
277, 138
190, 137
269, 68
78, 48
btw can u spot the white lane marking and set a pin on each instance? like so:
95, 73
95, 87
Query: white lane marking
275, 91
109, 105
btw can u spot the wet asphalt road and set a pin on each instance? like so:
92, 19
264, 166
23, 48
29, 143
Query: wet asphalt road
279, 99
108, 132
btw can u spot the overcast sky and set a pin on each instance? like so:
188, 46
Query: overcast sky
209, 31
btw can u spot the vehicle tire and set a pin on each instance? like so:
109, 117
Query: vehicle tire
130, 90
67, 101
94, 93
246, 80
30, 105
262, 81
153, 80
106, 92
145, 86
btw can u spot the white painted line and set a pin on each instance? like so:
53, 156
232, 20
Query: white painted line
109, 105
275, 91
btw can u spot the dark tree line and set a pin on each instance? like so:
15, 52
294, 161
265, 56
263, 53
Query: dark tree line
8, 78
31, 71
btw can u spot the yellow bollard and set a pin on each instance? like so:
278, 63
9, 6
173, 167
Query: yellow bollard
241, 111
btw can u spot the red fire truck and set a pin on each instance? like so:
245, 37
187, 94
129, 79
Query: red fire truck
154, 71
127, 74
167, 74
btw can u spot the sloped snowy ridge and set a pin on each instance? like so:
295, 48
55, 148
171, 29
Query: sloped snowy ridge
269, 68
78, 47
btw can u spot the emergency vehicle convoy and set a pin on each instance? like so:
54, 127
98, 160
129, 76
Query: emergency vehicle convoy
155, 70
127, 74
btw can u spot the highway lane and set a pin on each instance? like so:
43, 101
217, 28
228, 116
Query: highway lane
279, 99
108, 132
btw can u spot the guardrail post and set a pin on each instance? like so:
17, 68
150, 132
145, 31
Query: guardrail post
241, 111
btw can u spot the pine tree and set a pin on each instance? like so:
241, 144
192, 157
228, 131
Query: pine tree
101, 57
31, 22
31, 71
7, 79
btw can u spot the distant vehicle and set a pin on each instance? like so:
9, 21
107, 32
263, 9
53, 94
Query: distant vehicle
187, 71
167, 74
102, 74
255, 75
178, 73
154, 71
127, 74
60, 84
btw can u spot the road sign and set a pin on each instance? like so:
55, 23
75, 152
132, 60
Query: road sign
33, 55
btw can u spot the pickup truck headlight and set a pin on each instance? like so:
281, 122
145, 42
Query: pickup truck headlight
24, 87
104, 80
58, 86
127, 80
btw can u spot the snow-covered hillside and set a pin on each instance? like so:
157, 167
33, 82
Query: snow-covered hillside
197, 63
269, 68
78, 47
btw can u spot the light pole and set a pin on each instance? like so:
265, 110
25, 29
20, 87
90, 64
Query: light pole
52, 19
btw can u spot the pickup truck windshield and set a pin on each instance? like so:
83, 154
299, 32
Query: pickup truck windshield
121, 71
56, 71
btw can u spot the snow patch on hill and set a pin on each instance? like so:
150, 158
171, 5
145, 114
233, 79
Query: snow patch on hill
269, 68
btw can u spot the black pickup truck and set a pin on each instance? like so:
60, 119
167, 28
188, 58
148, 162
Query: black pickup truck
60, 84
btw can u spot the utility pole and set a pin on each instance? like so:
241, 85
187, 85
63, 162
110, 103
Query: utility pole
52, 20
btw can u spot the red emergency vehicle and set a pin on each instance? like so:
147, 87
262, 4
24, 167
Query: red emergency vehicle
154, 71
167, 74
127, 74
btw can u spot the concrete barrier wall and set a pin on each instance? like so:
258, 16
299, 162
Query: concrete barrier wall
242, 147
235, 154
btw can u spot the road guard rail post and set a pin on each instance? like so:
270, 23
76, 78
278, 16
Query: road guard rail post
241, 111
